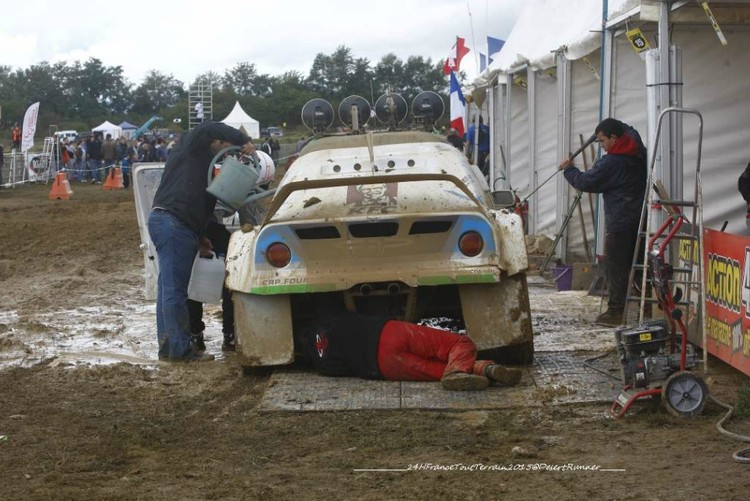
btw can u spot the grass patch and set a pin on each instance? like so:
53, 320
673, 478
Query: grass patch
742, 407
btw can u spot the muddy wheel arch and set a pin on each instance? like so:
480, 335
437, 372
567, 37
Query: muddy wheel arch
263, 329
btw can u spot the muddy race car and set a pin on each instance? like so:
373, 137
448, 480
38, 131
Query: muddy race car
394, 223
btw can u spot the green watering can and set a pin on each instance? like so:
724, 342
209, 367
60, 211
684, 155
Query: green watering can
236, 184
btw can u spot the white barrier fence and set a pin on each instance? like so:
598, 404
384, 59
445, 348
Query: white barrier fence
21, 168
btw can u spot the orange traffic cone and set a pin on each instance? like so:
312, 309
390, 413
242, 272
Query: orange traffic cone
114, 179
60, 188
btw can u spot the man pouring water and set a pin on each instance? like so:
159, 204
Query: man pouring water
179, 218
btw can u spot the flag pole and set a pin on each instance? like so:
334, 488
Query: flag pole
473, 38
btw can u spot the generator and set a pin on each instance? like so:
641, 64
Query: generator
654, 363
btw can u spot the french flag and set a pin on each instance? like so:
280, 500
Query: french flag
458, 106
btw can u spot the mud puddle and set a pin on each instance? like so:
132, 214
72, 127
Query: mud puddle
125, 331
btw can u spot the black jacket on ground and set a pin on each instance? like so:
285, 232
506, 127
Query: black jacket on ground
620, 176
345, 344
182, 190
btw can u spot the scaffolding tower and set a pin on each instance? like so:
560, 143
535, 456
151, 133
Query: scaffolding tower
200, 103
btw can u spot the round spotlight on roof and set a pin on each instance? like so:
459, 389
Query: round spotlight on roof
317, 115
354, 112
427, 106
391, 109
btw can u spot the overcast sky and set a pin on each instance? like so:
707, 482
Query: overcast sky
187, 38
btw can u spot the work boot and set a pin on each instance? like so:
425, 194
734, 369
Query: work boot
463, 381
197, 342
229, 342
502, 375
610, 318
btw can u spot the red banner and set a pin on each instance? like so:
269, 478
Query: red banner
727, 280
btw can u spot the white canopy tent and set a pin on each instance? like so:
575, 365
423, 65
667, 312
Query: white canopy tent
559, 71
108, 128
238, 119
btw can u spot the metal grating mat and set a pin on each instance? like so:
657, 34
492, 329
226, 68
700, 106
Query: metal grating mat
555, 378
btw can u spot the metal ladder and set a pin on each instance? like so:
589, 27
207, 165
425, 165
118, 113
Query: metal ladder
664, 266
200, 92
46, 161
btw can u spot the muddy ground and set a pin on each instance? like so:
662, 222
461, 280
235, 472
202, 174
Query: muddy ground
138, 431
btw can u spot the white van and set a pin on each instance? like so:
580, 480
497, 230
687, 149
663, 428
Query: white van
70, 135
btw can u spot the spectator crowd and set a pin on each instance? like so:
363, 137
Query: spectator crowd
86, 158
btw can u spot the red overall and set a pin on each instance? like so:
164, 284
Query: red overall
410, 352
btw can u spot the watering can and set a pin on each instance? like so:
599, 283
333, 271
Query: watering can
236, 185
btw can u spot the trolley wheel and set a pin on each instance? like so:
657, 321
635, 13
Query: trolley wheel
684, 394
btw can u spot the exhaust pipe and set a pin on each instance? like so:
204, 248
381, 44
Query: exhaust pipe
365, 289
394, 288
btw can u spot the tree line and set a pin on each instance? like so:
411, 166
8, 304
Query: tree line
80, 96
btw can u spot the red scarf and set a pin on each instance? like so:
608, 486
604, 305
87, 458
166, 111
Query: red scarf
625, 145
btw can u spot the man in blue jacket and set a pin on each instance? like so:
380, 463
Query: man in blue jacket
483, 145
620, 176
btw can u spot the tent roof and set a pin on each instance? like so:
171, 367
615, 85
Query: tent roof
106, 125
546, 26
238, 119
238, 116
127, 125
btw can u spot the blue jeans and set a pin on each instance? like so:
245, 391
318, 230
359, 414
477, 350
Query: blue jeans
176, 247
80, 167
93, 167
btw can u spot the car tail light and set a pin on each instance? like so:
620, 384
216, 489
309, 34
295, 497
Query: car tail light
470, 244
278, 254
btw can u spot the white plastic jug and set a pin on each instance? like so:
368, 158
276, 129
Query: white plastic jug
206, 279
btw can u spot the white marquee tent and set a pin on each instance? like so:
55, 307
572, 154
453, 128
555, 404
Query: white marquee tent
238, 119
108, 128
559, 72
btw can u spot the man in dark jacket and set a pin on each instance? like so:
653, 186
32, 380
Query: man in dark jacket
620, 176
353, 344
179, 217
743, 185
109, 151
94, 153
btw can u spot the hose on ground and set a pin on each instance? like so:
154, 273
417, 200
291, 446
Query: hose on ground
741, 456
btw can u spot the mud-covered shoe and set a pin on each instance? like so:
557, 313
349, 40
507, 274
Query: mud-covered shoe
463, 381
503, 376
229, 342
197, 341
192, 356
610, 318
200, 357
